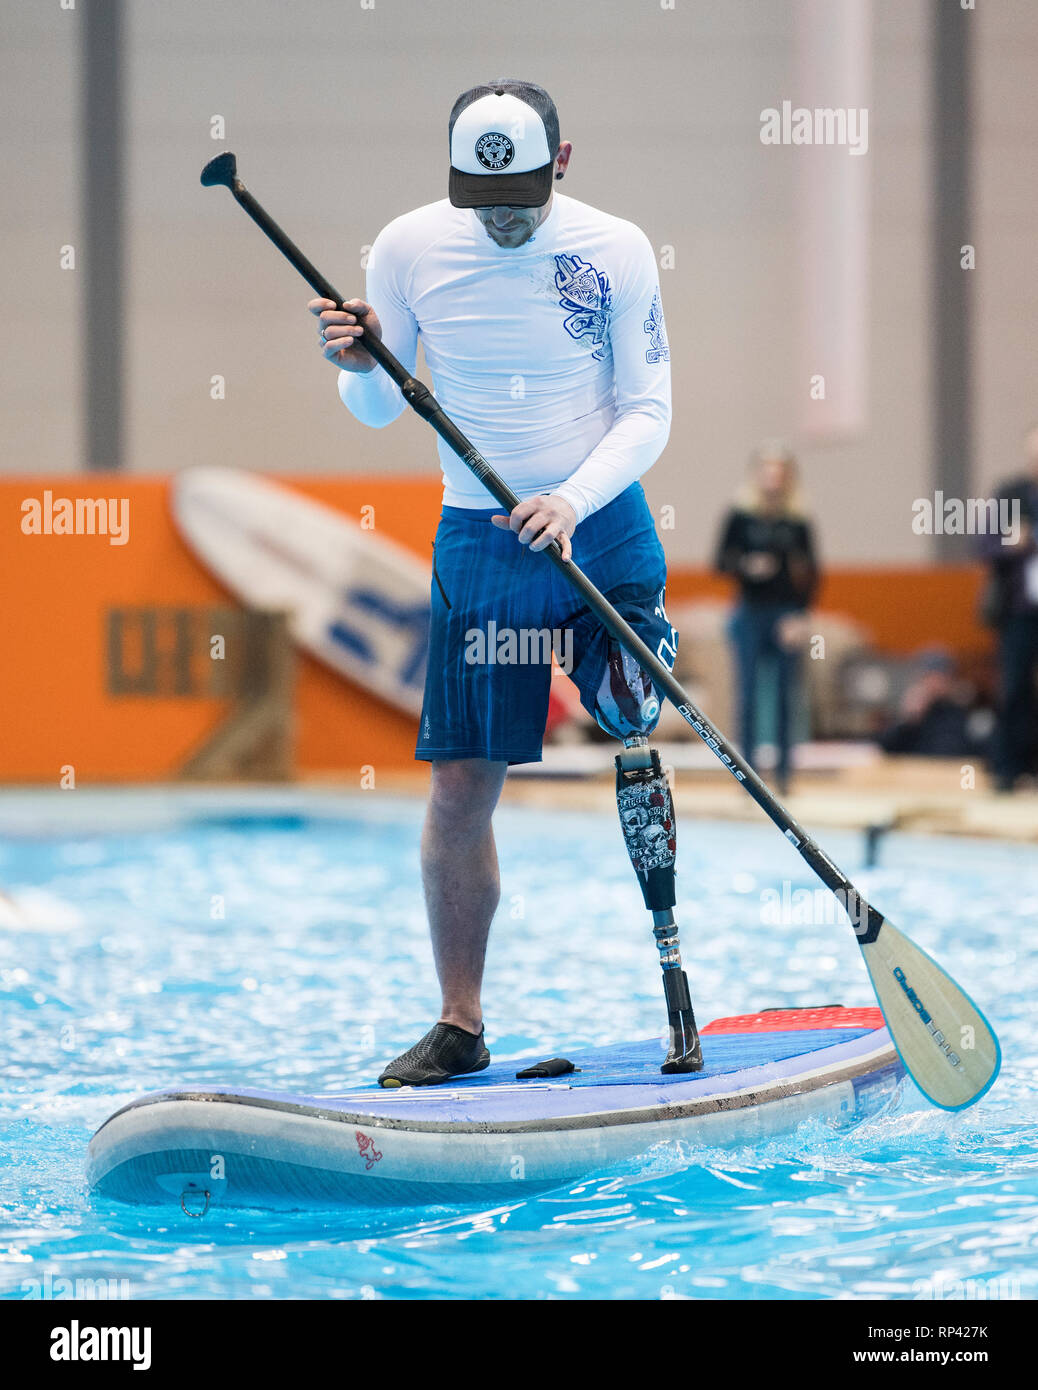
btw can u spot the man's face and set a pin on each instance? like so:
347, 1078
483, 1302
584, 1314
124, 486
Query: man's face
511, 227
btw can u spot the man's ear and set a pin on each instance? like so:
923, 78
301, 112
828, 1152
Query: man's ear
562, 158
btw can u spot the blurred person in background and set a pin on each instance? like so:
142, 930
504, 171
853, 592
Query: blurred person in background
1010, 606
939, 716
767, 546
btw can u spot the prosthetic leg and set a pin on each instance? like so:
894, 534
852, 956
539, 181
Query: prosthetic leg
647, 817
627, 707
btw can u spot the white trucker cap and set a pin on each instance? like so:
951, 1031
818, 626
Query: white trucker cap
503, 140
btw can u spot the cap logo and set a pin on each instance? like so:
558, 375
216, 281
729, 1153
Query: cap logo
494, 151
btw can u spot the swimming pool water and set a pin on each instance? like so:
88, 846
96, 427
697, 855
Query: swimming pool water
280, 942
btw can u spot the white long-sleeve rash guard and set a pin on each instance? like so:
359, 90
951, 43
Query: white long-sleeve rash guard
551, 357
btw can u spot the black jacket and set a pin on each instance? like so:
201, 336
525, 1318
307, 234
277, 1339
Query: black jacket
788, 539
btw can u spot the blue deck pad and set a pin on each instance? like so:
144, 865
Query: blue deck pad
733, 1060
622, 1064
634, 1064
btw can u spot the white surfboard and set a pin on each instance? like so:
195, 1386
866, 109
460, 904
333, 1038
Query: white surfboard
356, 600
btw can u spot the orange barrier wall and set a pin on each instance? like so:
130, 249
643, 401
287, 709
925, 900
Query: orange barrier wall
903, 609
58, 589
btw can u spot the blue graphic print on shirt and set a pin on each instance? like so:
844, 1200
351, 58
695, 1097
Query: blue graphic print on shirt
653, 325
586, 293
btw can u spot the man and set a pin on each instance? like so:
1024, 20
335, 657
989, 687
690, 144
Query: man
541, 323
1012, 608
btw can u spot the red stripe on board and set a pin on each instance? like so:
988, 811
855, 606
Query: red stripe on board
789, 1020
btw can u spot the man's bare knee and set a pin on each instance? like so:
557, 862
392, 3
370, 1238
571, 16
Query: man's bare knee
465, 791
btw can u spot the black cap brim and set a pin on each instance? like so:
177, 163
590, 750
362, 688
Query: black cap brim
529, 190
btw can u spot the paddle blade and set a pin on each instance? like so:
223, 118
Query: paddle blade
221, 170
945, 1042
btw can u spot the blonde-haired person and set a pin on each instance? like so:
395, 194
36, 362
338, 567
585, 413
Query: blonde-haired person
767, 546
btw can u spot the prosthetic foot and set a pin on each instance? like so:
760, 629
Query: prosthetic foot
647, 818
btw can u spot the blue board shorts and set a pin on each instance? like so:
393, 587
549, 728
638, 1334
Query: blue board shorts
495, 603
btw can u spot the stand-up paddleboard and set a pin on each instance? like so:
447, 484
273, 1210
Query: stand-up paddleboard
356, 600
491, 1135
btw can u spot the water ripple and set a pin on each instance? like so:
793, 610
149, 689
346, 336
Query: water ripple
293, 954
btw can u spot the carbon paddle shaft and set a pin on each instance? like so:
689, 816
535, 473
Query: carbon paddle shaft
866, 921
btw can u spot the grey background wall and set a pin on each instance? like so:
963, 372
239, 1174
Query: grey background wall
338, 115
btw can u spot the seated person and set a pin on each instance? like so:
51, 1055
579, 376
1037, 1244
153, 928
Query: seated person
936, 719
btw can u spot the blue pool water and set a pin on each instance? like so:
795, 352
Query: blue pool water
280, 943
